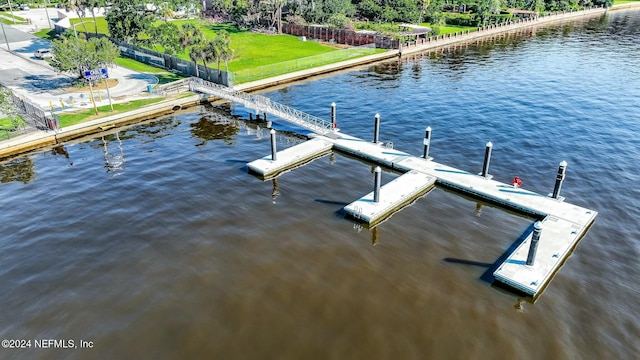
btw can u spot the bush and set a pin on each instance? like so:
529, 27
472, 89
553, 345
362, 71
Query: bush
295, 19
340, 21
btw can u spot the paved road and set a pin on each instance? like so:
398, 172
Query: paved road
36, 81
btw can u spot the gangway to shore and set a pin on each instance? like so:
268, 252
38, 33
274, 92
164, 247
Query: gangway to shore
264, 104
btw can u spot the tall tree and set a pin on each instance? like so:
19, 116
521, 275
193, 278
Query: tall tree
166, 35
128, 19
76, 54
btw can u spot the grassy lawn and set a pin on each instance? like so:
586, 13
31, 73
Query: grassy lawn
68, 119
6, 124
250, 49
100, 23
163, 75
48, 34
16, 17
7, 130
619, 2
450, 29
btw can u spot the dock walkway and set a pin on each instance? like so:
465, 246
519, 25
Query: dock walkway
563, 224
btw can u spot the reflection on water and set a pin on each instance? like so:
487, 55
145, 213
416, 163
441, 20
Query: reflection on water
20, 169
215, 127
114, 161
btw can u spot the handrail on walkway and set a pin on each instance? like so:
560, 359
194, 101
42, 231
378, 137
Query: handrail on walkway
263, 104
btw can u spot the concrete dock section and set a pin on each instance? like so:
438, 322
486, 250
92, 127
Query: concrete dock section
290, 158
393, 196
563, 224
558, 238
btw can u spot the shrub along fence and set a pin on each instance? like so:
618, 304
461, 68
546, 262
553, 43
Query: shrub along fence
31, 114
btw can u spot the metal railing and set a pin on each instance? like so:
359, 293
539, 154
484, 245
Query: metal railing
263, 104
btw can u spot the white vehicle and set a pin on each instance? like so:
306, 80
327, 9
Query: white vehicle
24, 7
43, 54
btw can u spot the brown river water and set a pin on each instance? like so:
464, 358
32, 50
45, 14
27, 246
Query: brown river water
153, 242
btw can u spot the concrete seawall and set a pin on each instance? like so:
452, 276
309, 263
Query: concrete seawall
45, 139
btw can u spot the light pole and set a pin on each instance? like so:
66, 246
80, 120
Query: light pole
11, 10
46, 10
81, 22
5, 36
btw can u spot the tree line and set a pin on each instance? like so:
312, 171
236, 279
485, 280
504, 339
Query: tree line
341, 13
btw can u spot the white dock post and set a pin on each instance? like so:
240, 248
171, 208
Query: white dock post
376, 184
533, 247
376, 129
487, 159
559, 178
333, 115
273, 145
427, 142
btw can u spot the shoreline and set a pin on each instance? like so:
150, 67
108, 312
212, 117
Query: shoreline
36, 142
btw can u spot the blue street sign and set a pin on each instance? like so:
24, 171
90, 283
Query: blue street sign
96, 74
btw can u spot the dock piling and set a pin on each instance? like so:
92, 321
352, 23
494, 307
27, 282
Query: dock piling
533, 247
376, 184
333, 115
427, 142
487, 159
376, 129
273, 145
559, 179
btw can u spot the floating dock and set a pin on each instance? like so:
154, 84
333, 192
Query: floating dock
290, 158
394, 195
562, 224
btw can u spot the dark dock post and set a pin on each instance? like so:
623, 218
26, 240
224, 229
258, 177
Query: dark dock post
559, 178
376, 129
250, 116
273, 145
533, 247
333, 115
376, 184
427, 142
487, 159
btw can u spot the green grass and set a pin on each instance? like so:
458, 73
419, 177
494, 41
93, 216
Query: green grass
620, 2
6, 124
250, 49
450, 29
49, 34
8, 130
11, 22
8, 14
265, 71
100, 23
68, 119
163, 75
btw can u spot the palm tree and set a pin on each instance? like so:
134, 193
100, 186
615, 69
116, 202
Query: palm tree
190, 34
198, 53
219, 50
